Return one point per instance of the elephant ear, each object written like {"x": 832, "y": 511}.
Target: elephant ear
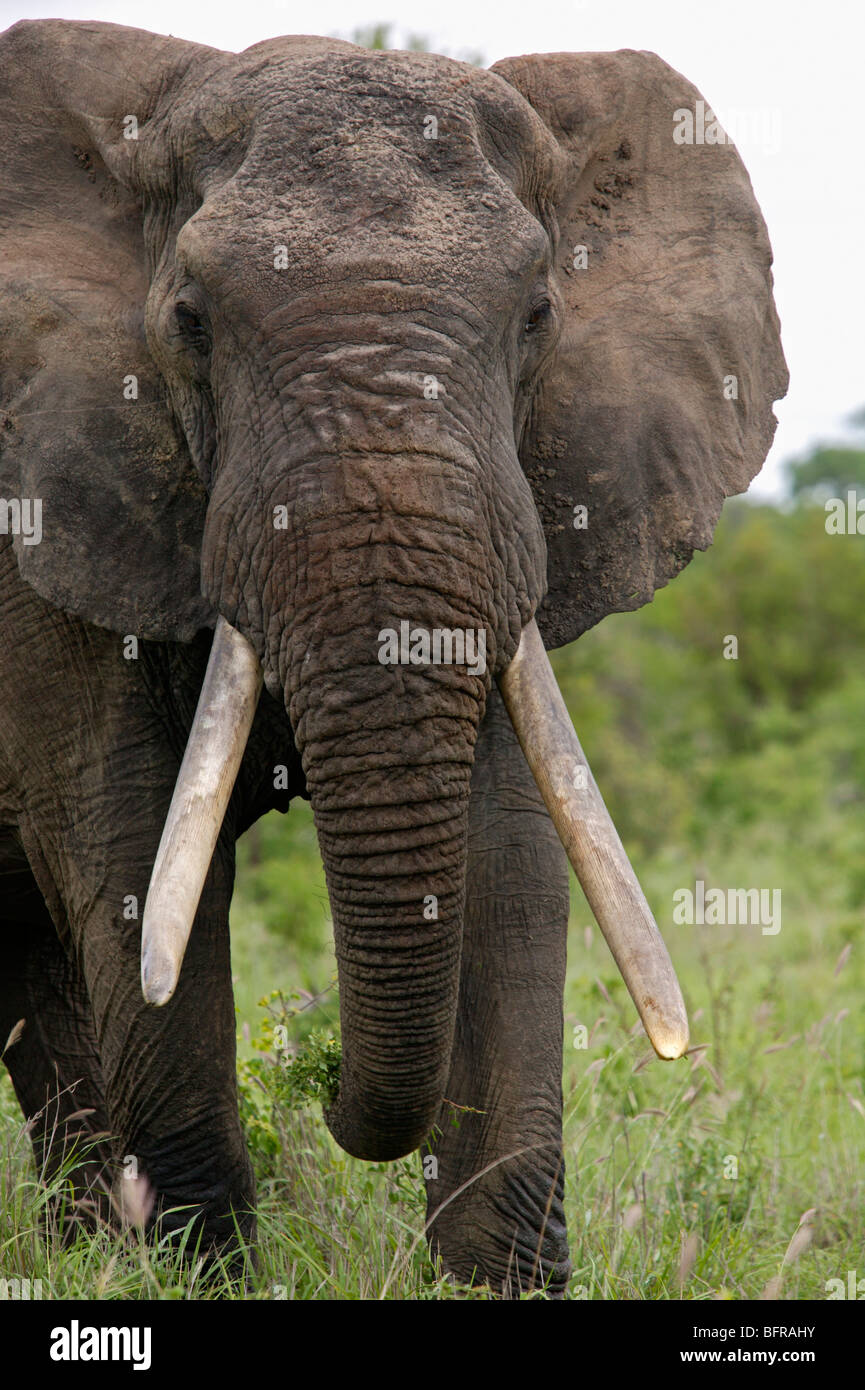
{"x": 85, "y": 431}
{"x": 657, "y": 403}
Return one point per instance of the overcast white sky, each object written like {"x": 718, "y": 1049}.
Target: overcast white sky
{"x": 796, "y": 70}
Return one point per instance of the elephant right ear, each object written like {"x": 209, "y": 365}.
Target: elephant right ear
{"x": 657, "y": 403}
{"x": 97, "y": 486}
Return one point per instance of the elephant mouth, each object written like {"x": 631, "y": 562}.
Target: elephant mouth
{"x": 214, "y": 751}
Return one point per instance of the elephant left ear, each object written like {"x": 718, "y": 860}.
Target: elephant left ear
{"x": 104, "y": 503}
{"x": 657, "y": 403}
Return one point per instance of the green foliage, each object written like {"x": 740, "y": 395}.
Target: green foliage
{"x": 725, "y": 746}
{"x": 313, "y": 1074}
{"x": 379, "y": 36}
{"x": 284, "y": 1074}
{"x": 829, "y": 470}
{"x": 373, "y": 36}
{"x": 287, "y": 889}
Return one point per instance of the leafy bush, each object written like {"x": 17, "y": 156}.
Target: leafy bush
{"x": 284, "y": 1075}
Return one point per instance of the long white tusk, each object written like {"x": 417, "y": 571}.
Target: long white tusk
{"x": 217, "y": 739}
{"x": 546, "y": 734}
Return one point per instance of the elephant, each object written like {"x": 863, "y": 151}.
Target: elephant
{"x": 338, "y": 386}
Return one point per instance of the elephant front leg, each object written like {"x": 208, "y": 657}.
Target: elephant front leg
{"x": 495, "y": 1202}
{"x": 170, "y": 1072}
{"x": 53, "y": 1059}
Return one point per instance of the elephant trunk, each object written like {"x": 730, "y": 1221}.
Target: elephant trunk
{"x": 387, "y": 750}
{"x": 397, "y": 920}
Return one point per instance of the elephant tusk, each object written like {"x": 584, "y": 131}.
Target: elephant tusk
{"x": 552, "y": 749}
{"x": 214, "y": 750}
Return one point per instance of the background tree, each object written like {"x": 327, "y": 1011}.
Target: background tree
{"x": 830, "y": 470}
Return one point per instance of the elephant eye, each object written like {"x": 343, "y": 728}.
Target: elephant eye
{"x": 539, "y": 316}
{"x": 191, "y": 327}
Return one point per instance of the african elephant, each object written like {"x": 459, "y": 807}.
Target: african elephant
{"x": 326, "y": 349}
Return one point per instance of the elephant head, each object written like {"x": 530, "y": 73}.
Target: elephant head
{"x": 329, "y": 348}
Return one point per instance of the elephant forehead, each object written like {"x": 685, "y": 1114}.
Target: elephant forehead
{"x": 325, "y": 86}
{"x": 338, "y": 142}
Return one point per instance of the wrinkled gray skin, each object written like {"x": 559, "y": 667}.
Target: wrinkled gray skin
{"x": 304, "y": 387}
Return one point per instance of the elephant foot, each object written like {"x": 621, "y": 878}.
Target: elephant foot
{"x": 513, "y": 1240}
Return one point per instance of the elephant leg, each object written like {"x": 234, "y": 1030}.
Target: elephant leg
{"x": 54, "y": 1063}
{"x": 170, "y": 1076}
{"x": 495, "y": 1202}
{"x": 104, "y": 738}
